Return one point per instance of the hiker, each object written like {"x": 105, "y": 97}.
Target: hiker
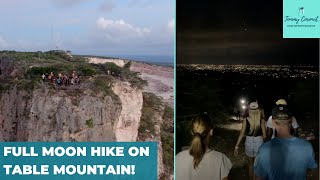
{"x": 65, "y": 80}
{"x": 253, "y": 126}
{"x": 43, "y": 77}
{"x": 72, "y": 81}
{"x": 73, "y": 74}
{"x": 285, "y": 156}
{"x": 59, "y": 81}
{"x": 201, "y": 161}
{"x": 76, "y": 80}
{"x": 271, "y": 131}
{"x": 54, "y": 80}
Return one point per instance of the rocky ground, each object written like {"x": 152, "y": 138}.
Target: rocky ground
{"x": 160, "y": 80}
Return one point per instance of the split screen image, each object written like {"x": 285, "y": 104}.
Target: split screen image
{"x": 214, "y": 83}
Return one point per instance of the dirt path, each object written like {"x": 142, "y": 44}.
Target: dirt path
{"x": 224, "y": 140}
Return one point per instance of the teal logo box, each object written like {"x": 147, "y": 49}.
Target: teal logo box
{"x": 301, "y": 18}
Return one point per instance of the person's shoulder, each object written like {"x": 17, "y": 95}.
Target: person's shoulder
{"x": 266, "y": 146}
{"x": 294, "y": 119}
{"x": 303, "y": 142}
{"x": 270, "y": 118}
{"x": 218, "y": 154}
{"x": 183, "y": 154}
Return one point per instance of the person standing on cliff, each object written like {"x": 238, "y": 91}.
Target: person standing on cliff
{"x": 74, "y": 74}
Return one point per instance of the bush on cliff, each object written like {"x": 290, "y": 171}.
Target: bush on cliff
{"x": 151, "y": 105}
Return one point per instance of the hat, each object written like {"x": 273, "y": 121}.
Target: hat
{"x": 281, "y": 112}
{"x": 253, "y": 105}
{"x": 281, "y": 102}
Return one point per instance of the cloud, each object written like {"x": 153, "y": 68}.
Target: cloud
{"x": 122, "y": 37}
{"x": 107, "y": 6}
{"x": 68, "y": 3}
{"x": 171, "y": 25}
{"x": 119, "y": 29}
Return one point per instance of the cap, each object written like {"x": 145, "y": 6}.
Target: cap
{"x": 253, "y": 105}
{"x": 281, "y": 112}
{"x": 281, "y": 102}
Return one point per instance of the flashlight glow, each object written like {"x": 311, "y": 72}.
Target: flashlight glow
{"x": 242, "y": 101}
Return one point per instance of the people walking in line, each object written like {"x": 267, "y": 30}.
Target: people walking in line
{"x": 254, "y": 128}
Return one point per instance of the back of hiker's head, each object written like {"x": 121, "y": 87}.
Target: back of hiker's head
{"x": 281, "y": 114}
{"x": 254, "y": 111}
{"x": 282, "y": 102}
{"x": 200, "y": 129}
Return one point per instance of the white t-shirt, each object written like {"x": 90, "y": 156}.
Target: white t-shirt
{"x": 269, "y": 124}
{"x": 213, "y": 166}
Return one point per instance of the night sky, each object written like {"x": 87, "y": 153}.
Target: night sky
{"x": 238, "y": 32}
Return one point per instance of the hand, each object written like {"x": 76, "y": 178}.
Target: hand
{"x": 236, "y": 151}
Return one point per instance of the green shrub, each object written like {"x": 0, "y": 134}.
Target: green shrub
{"x": 25, "y": 84}
{"x": 151, "y": 105}
{"x": 167, "y": 136}
{"x": 112, "y": 67}
{"x": 103, "y": 83}
{"x": 86, "y": 71}
{"x": 89, "y": 123}
{"x": 167, "y": 149}
{"x": 38, "y": 71}
{"x": 127, "y": 65}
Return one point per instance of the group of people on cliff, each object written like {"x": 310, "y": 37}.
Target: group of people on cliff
{"x": 62, "y": 79}
{"x": 274, "y": 152}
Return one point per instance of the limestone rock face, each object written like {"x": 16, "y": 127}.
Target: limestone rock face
{"x": 129, "y": 120}
{"x": 43, "y": 115}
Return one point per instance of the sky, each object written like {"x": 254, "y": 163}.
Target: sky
{"x": 238, "y": 32}
{"x": 91, "y": 27}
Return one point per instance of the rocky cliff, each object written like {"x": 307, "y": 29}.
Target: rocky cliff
{"x": 44, "y": 115}
{"x": 104, "y": 107}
